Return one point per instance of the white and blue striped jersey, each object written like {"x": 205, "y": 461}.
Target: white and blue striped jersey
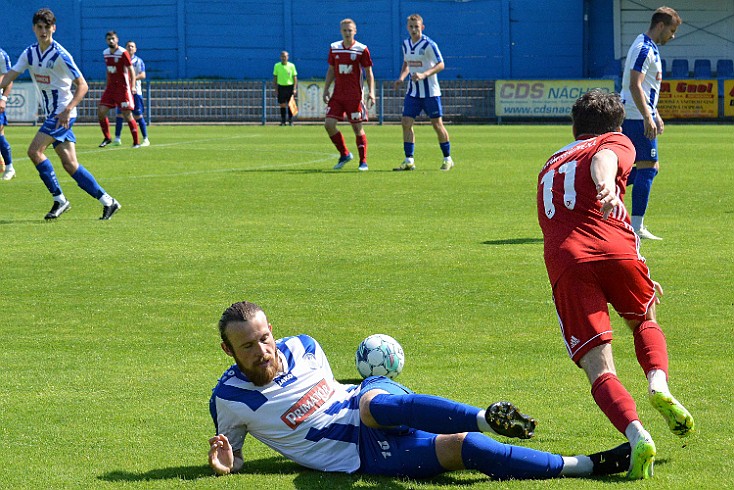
{"x": 304, "y": 413}
{"x": 644, "y": 57}
{"x": 139, "y": 67}
{"x": 420, "y": 57}
{"x": 4, "y": 62}
{"x": 53, "y": 72}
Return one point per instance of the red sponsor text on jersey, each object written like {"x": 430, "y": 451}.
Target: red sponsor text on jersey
{"x": 315, "y": 398}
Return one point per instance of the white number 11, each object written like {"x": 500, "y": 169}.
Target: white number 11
{"x": 568, "y": 170}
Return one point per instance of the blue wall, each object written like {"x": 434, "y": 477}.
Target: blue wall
{"x": 480, "y": 39}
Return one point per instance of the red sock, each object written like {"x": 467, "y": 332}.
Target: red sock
{"x": 105, "y": 125}
{"x": 362, "y": 147}
{"x": 338, "y": 140}
{"x": 134, "y": 130}
{"x": 650, "y": 347}
{"x": 615, "y": 401}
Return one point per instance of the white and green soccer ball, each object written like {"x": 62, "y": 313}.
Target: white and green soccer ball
{"x": 379, "y": 355}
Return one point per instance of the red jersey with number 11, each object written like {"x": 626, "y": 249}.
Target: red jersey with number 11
{"x": 569, "y": 212}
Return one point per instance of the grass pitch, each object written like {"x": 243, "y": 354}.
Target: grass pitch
{"x": 108, "y": 329}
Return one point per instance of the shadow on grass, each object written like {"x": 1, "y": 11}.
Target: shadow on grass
{"x": 513, "y": 241}
{"x": 305, "y": 479}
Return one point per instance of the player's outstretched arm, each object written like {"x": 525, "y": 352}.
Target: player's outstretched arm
{"x": 221, "y": 457}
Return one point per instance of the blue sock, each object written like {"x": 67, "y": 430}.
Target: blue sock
{"x": 408, "y": 148}
{"x": 5, "y": 150}
{"x": 504, "y": 461}
{"x": 48, "y": 176}
{"x": 118, "y": 128}
{"x": 641, "y": 190}
{"x": 446, "y": 148}
{"x": 143, "y": 127}
{"x": 631, "y": 177}
{"x": 86, "y": 181}
{"x": 424, "y": 412}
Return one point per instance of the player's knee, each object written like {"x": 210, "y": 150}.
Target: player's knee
{"x": 365, "y": 414}
{"x": 448, "y": 450}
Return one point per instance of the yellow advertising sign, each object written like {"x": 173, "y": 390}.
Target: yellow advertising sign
{"x": 729, "y": 98}
{"x": 689, "y": 99}
{"x": 542, "y": 98}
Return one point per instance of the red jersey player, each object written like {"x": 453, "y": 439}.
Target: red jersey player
{"x": 119, "y": 90}
{"x": 347, "y": 61}
{"x": 592, "y": 257}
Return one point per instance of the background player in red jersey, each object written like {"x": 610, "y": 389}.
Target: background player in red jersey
{"x": 592, "y": 258}
{"x": 119, "y": 90}
{"x": 348, "y": 58}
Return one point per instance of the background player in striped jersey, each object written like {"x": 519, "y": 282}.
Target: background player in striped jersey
{"x": 53, "y": 72}
{"x": 422, "y": 60}
{"x": 283, "y": 392}
{"x": 6, "y": 154}
{"x": 347, "y": 60}
{"x": 119, "y": 90}
{"x": 641, "y": 81}
{"x": 139, "y": 110}
{"x": 592, "y": 257}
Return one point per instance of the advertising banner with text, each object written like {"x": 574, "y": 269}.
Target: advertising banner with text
{"x": 729, "y": 98}
{"x": 22, "y": 105}
{"x": 542, "y": 98}
{"x": 689, "y": 99}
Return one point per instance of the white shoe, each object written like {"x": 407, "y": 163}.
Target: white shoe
{"x": 645, "y": 234}
{"x": 145, "y": 142}
{"x": 408, "y": 164}
{"x": 117, "y": 142}
{"x": 8, "y": 174}
{"x": 448, "y": 163}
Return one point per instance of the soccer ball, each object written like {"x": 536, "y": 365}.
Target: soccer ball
{"x": 379, "y": 355}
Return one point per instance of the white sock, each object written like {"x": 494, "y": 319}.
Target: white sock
{"x": 8, "y": 166}
{"x": 634, "y": 431}
{"x": 483, "y": 424}
{"x": 106, "y": 200}
{"x": 577, "y": 466}
{"x": 657, "y": 381}
{"x": 637, "y": 221}
{"x": 60, "y": 198}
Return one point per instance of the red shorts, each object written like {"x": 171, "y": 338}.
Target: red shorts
{"x": 583, "y": 291}
{"x": 116, "y": 96}
{"x": 354, "y": 110}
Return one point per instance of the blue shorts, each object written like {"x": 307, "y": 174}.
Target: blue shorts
{"x": 139, "y": 106}
{"x": 646, "y": 149}
{"x": 3, "y": 119}
{"x": 60, "y": 134}
{"x": 412, "y": 106}
{"x": 400, "y": 451}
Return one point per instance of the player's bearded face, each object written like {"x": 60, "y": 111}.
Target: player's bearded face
{"x": 252, "y": 346}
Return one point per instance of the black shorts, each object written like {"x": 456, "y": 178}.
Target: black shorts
{"x": 285, "y": 92}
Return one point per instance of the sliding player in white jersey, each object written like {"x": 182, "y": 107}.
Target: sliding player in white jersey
{"x": 53, "y": 72}
{"x": 285, "y": 395}
{"x": 641, "y": 82}
{"x": 422, "y": 61}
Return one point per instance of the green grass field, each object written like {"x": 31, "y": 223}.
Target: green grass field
{"x": 108, "y": 329}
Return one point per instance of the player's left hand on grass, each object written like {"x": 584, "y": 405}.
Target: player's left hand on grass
{"x": 221, "y": 456}
{"x": 658, "y": 292}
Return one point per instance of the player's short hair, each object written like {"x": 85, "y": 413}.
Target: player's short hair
{"x": 238, "y": 312}
{"x": 415, "y": 17}
{"x": 348, "y": 21}
{"x": 110, "y": 33}
{"x": 597, "y": 112}
{"x": 44, "y": 15}
{"x": 667, "y": 16}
